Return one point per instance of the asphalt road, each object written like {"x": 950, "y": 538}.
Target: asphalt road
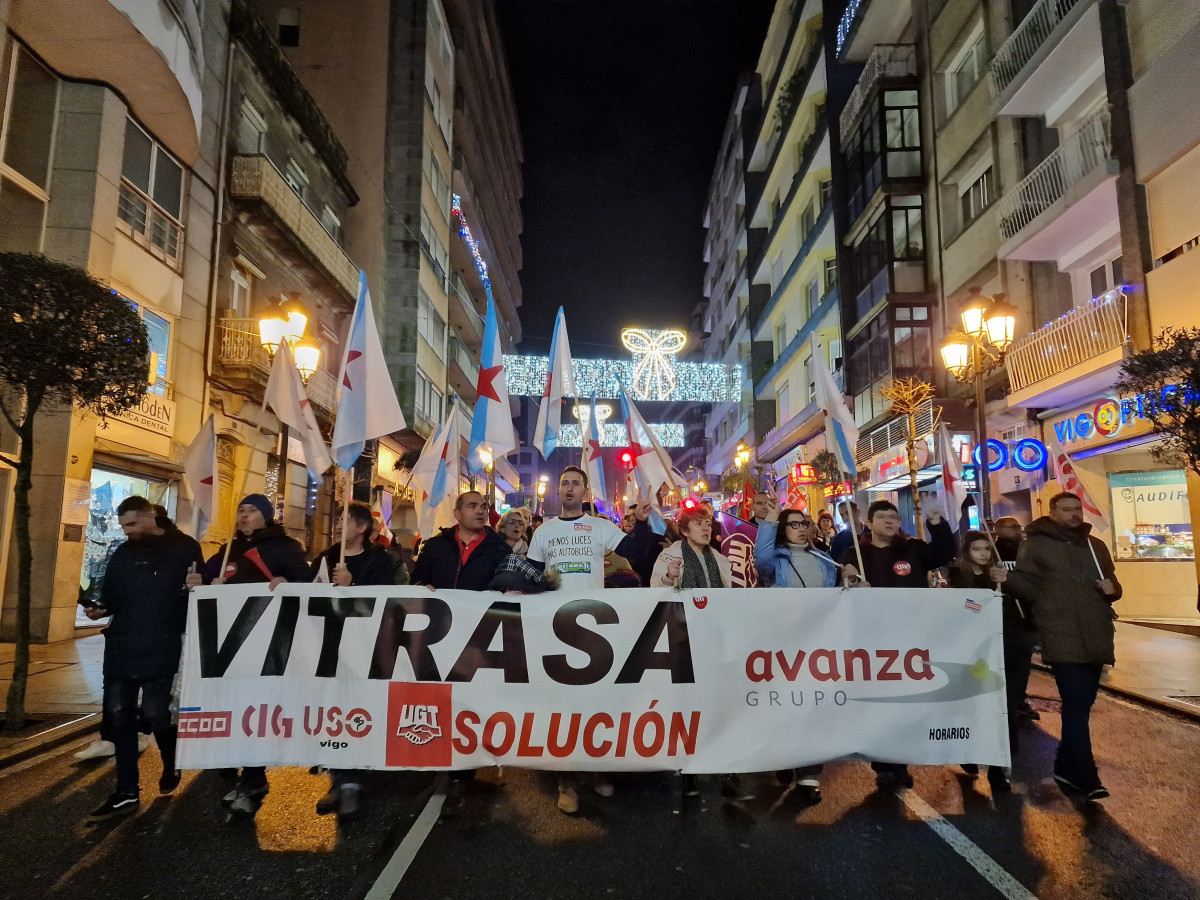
{"x": 948, "y": 838}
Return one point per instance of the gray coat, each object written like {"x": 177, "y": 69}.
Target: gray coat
{"x": 1056, "y": 577}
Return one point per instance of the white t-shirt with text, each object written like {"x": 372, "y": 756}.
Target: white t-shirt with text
{"x": 575, "y": 549}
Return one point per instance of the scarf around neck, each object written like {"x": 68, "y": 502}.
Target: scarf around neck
{"x": 693, "y": 574}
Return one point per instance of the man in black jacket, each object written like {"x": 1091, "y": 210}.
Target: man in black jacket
{"x": 891, "y": 560}
{"x": 144, "y": 591}
{"x": 261, "y": 551}
{"x": 471, "y": 557}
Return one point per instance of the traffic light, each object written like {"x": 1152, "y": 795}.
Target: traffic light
{"x": 627, "y": 459}
{"x": 690, "y": 503}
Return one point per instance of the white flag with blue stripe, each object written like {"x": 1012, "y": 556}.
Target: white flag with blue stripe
{"x": 841, "y": 434}
{"x": 560, "y": 382}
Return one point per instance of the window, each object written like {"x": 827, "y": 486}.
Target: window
{"x": 826, "y": 192}
{"x": 830, "y": 274}
{"x": 780, "y": 338}
{"x": 1106, "y": 277}
{"x": 26, "y": 140}
{"x": 902, "y": 134}
{"x": 778, "y": 270}
{"x": 158, "y": 337}
{"x": 965, "y": 70}
{"x": 908, "y": 234}
{"x": 430, "y": 325}
{"x": 781, "y": 405}
{"x": 331, "y": 223}
{"x": 810, "y": 384}
{"x": 433, "y": 93}
{"x": 977, "y": 197}
{"x": 428, "y": 399}
{"x": 1150, "y": 515}
{"x": 289, "y": 27}
{"x": 814, "y": 296}
{"x": 241, "y": 293}
{"x": 911, "y": 338}
{"x": 151, "y": 195}
{"x": 437, "y": 250}
{"x": 296, "y": 178}
{"x": 436, "y": 175}
{"x": 807, "y": 219}
{"x": 252, "y": 129}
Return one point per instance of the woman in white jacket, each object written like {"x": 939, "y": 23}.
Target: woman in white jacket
{"x": 691, "y": 562}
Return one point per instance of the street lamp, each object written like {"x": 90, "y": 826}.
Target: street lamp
{"x": 972, "y": 354}
{"x": 284, "y": 323}
{"x": 541, "y": 491}
{"x": 701, "y": 487}
{"x": 307, "y": 355}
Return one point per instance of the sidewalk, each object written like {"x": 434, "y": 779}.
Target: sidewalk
{"x": 1153, "y": 666}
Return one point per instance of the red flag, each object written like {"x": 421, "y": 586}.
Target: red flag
{"x": 746, "y": 510}
{"x": 252, "y": 555}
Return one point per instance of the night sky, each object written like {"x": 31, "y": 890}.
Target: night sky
{"x": 622, "y": 105}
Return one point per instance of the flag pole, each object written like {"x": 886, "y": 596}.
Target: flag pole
{"x": 862, "y": 570}
{"x": 346, "y": 514}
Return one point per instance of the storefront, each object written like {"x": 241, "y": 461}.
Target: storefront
{"x": 1146, "y": 502}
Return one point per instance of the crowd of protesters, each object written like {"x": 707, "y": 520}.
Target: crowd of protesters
{"x": 1057, "y": 582}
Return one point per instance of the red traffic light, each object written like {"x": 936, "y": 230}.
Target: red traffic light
{"x": 691, "y": 503}
{"x": 627, "y": 459}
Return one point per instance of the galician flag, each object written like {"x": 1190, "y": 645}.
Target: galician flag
{"x": 200, "y": 473}
{"x": 285, "y": 395}
{"x": 951, "y": 487}
{"x": 841, "y": 434}
{"x": 1064, "y": 472}
{"x": 492, "y": 425}
{"x": 560, "y": 382}
{"x": 651, "y": 463}
{"x": 593, "y": 463}
{"x": 436, "y": 473}
{"x": 366, "y": 403}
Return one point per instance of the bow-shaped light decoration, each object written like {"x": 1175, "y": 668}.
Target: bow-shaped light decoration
{"x": 653, "y": 361}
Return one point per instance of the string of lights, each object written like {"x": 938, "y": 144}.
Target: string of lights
{"x": 464, "y": 231}
{"x": 669, "y": 434}
{"x": 694, "y": 382}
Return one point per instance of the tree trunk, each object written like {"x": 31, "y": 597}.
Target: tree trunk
{"x": 911, "y": 446}
{"x": 14, "y": 716}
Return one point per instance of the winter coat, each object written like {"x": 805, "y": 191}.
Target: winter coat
{"x": 907, "y": 561}
{"x": 144, "y": 590}
{"x": 1056, "y": 575}
{"x": 373, "y": 566}
{"x": 440, "y": 565}
{"x": 282, "y": 555}
{"x": 675, "y": 551}
{"x": 774, "y": 563}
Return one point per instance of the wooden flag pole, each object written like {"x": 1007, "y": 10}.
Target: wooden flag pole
{"x": 346, "y": 513}
{"x": 862, "y": 571}
{"x": 233, "y": 533}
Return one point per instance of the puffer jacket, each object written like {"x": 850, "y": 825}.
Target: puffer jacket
{"x": 774, "y": 563}
{"x": 1073, "y": 617}
{"x": 282, "y": 555}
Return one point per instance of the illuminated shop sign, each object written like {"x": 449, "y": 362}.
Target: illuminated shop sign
{"x": 1111, "y": 416}
{"x": 1027, "y": 454}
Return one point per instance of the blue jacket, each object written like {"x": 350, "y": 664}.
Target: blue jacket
{"x": 776, "y": 562}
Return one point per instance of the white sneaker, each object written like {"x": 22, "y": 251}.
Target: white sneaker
{"x": 143, "y": 742}
{"x": 602, "y": 786}
{"x": 568, "y": 800}
{"x": 96, "y": 750}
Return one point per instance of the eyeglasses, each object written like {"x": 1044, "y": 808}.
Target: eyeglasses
{"x": 797, "y": 524}
{"x": 890, "y": 517}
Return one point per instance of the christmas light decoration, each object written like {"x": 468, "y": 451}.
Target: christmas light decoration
{"x": 694, "y": 382}
{"x": 465, "y": 231}
{"x": 583, "y": 412}
{"x": 669, "y": 434}
{"x": 653, "y": 359}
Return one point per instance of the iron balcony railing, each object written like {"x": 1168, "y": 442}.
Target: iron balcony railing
{"x": 150, "y": 225}
{"x": 1016, "y": 52}
{"x": 1081, "y": 334}
{"x": 885, "y": 61}
{"x": 241, "y": 348}
{"x": 894, "y": 434}
{"x": 1079, "y": 154}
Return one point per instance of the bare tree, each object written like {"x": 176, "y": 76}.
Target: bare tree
{"x": 907, "y": 396}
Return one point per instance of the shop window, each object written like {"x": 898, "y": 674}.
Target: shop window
{"x": 151, "y": 194}
{"x": 103, "y": 533}
{"x": 1150, "y": 515}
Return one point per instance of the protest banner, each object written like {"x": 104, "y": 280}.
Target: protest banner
{"x": 721, "y": 680}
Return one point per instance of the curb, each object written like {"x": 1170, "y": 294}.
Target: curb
{"x": 1160, "y": 703}
{"x": 49, "y": 739}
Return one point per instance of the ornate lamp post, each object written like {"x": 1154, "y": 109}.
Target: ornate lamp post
{"x": 973, "y": 353}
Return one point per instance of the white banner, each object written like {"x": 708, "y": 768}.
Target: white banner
{"x": 653, "y": 679}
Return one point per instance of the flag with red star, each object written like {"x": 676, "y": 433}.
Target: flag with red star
{"x": 367, "y": 407}
{"x": 492, "y": 424}
{"x": 200, "y": 473}
{"x": 287, "y": 398}
{"x": 951, "y": 488}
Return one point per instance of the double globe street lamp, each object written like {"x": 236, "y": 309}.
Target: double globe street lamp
{"x": 972, "y": 354}
{"x": 286, "y": 323}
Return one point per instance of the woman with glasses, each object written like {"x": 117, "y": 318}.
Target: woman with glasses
{"x": 785, "y": 554}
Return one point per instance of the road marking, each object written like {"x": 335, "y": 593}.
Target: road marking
{"x": 49, "y": 754}
{"x": 997, "y": 876}
{"x": 389, "y": 879}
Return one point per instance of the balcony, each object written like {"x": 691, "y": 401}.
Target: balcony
{"x": 464, "y": 317}
{"x": 1071, "y": 358}
{"x": 1043, "y": 65}
{"x": 866, "y": 23}
{"x": 462, "y": 371}
{"x": 246, "y": 365}
{"x": 894, "y": 433}
{"x": 256, "y": 178}
{"x": 1064, "y": 198}
{"x": 886, "y": 61}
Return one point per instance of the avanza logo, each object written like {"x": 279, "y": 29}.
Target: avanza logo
{"x": 418, "y": 725}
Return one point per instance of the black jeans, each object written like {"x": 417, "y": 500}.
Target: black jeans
{"x": 1018, "y": 659}
{"x": 121, "y": 705}
{"x": 1077, "y": 687}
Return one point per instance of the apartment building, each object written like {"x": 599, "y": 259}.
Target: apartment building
{"x": 109, "y": 157}
{"x": 397, "y": 82}
{"x": 790, "y": 263}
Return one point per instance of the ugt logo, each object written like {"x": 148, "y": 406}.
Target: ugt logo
{"x": 418, "y": 732}
{"x": 418, "y": 724}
